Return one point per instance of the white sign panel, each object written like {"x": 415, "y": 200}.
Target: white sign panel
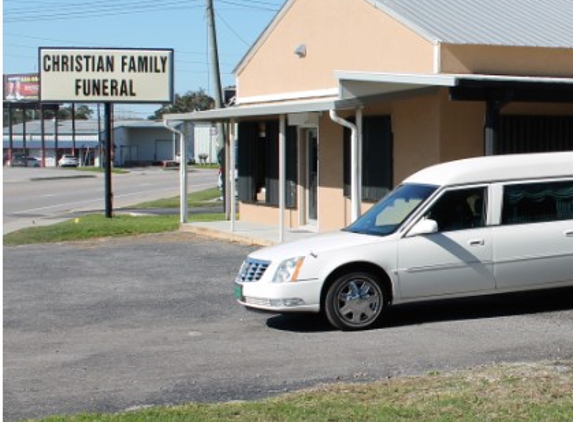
{"x": 106, "y": 75}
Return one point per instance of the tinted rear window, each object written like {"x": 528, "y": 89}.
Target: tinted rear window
{"x": 537, "y": 202}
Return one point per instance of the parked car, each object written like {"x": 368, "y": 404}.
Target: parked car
{"x": 471, "y": 227}
{"x": 68, "y": 161}
{"x": 24, "y": 161}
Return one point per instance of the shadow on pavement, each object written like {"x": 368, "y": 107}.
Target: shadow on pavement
{"x": 493, "y": 306}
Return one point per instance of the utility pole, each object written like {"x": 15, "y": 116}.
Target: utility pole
{"x": 214, "y": 53}
{"x": 216, "y": 77}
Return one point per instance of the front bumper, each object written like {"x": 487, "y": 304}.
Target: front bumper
{"x": 300, "y": 296}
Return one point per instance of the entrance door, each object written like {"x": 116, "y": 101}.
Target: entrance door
{"x": 312, "y": 177}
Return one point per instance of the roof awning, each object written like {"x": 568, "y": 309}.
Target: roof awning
{"x": 471, "y": 87}
{"x": 353, "y": 85}
{"x": 361, "y": 88}
{"x": 257, "y": 110}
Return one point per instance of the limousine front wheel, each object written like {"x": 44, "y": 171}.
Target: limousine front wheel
{"x": 355, "y": 301}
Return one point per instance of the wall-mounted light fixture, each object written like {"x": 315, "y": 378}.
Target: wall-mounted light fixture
{"x": 300, "y": 50}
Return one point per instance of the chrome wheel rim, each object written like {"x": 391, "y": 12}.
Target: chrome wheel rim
{"x": 359, "y": 301}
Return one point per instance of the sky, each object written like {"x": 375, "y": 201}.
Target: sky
{"x": 177, "y": 24}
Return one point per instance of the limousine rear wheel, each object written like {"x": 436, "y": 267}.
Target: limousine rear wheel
{"x": 355, "y": 301}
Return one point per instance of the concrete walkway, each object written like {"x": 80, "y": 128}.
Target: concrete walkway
{"x": 245, "y": 233}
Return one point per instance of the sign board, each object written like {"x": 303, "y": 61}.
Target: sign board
{"x": 106, "y": 75}
{"x": 21, "y": 87}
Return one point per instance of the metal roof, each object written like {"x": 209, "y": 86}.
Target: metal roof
{"x": 527, "y": 23}
{"x": 258, "y": 110}
{"x": 354, "y": 84}
{"x": 360, "y": 88}
{"x": 82, "y": 126}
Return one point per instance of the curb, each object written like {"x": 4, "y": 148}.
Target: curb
{"x": 230, "y": 237}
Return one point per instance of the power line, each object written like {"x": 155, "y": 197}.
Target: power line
{"x": 249, "y": 5}
{"x": 100, "y": 5}
{"x": 231, "y": 29}
{"x": 145, "y": 8}
{"x": 92, "y": 43}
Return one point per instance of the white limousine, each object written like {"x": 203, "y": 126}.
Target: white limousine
{"x": 470, "y": 227}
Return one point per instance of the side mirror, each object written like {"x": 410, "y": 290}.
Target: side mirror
{"x": 425, "y": 226}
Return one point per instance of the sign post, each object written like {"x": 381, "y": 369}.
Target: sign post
{"x": 109, "y": 76}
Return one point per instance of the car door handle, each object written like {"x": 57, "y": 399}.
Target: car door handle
{"x": 568, "y": 233}
{"x": 476, "y": 242}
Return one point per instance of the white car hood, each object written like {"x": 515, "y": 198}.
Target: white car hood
{"x": 315, "y": 245}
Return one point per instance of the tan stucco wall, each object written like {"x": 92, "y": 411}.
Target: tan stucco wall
{"x": 427, "y": 130}
{"x": 339, "y": 35}
{"x": 265, "y": 214}
{"x": 461, "y": 128}
{"x": 416, "y": 124}
{"x": 332, "y": 212}
{"x": 499, "y": 60}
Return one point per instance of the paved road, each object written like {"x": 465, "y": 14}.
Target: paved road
{"x": 109, "y": 325}
{"x": 37, "y": 196}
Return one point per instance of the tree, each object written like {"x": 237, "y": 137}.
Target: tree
{"x": 83, "y": 112}
{"x": 191, "y": 101}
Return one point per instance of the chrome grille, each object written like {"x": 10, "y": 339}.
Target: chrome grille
{"x": 257, "y": 301}
{"x": 252, "y": 270}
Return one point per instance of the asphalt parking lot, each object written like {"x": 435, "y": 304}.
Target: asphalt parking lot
{"x": 108, "y": 325}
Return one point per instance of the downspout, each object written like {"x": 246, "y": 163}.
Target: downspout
{"x": 182, "y": 172}
{"x": 354, "y": 157}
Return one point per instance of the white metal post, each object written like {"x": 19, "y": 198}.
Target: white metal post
{"x": 359, "y": 137}
{"x": 183, "y": 175}
{"x": 231, "y": 172}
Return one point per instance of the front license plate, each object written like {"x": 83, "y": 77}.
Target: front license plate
{"x": 239, "y": 291}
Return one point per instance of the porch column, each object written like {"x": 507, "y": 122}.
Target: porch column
{"x": 492, "y": 111}
{"x": 231, "y": 172}
{"x": 282, "y": 176}
{"x": 183, "y": 211}
{"x": 358, "y": 162}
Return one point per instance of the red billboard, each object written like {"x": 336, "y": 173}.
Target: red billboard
{"x": 22, "y": 87}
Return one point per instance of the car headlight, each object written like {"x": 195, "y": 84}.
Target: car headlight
{"x": 288, "y": 270}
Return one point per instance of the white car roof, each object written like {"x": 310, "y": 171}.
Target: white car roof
{"x": 496, "y": 168}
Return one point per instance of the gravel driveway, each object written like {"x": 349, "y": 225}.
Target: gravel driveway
{"x": 112, "y": 324}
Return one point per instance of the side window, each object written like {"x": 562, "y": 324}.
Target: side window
{"x": 459, "y": 209}
{"x": 537, "y": 202}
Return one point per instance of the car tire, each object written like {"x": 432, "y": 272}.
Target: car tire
{"x": 355, "y": 301}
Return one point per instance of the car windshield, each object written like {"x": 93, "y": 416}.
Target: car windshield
{"x": 387, "y": 215}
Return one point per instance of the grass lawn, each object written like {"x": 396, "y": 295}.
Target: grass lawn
{"x": 95, "y": 169}
{"x": 96, "y": 225}
{"x": 203, "y": 198}
{"x": 524, "y": 392}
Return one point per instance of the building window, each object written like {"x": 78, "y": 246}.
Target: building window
{"x": 377, "y": 158}
{"x": 258, "y": 163}
{"x": 528, "y": 134}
